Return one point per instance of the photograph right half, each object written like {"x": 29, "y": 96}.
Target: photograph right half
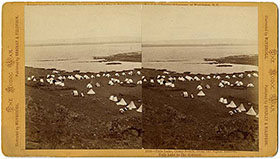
{"x": 200, "y": 77}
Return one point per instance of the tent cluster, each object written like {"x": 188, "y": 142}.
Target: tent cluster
{"x": 126, "y": 107}
{"x": 114, "y": 81}
{"x": 253, "y": 74}
{"x": 237, "y": 83}
{"x": 238, "y": 109}
{"x": 98, "y": 75}
{"x": 199, "y": 94}
{"x": 50, "y": 79}
{"x": 90, "y": 91}
{"x": 223, "y": 83}
{"x": 169, "y": 81}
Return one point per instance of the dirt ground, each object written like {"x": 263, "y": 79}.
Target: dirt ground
{"x": 55, "y": 119}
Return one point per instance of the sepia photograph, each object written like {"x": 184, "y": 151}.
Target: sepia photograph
{"x": 200, "y": 90}
{"x": 141, "y": 77}
{"x": 83, "y": 77}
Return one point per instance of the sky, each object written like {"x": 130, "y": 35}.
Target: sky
{"x": 220, "y": 23}
{"x": 52, "y": 24}
{"x": 82, "y": 23}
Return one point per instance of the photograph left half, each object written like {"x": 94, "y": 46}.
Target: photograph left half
{"x": 83, "y": 77}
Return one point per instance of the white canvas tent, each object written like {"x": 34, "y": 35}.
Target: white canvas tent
{"x": 225, "y": 101}
{"x": 110, "y": 83}
{"x": 241, "y": 108}
{"x": 139, "y": 109}
{"x": 221, "y": 100}
{"x": 251, "y": 111}
{"x": 201, "y": 94}
{"x": 185, "y": 94}
{"x": 199, "y": 87}
{"x": 89, "y": 85}
{"x": 115, "y": 99}
{"x": 207, "y": 86}
{"x": 75, "y": 93}
{"x": 231, "y": 105}
{"x": 121, "y": 102}
{"x": 131, "y": 106}
{"x": 97, "y": 84}
{"x": 111, "y": 98}
{"x": 90, "y": 92}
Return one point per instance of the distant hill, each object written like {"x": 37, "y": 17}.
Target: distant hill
{"x": 238, "y": 59}
{"x": 128, "y": 57}
{"x": 200, "y": 42}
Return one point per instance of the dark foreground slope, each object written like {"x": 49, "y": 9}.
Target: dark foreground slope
{"x": 171, "y": 121}
{"x": 55, "y": 119}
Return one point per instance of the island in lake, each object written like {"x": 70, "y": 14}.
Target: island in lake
{"x": 127, "y": 57}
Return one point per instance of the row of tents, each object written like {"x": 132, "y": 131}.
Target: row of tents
{"x": 238, "y": 109}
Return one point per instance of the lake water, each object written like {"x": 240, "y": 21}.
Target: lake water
{"x": 80, "y": 57}
{"x": 191, "y": 58}
{"x": 85, "y": 66}
{"x": 180, "y": 59}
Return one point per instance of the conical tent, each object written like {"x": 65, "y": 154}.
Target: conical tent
{"x": 62, "y": 84}
{"x": 221, "y": 85}
{"x": 199, "y": 87}
{"x": 89, "y": 85}
{"x": 110, "y": 83}
{"x": 139, "y": 109}
{"x": 250, "y": 85}
{"x": 196, "y": 78}
{"x": 189, "y": 78}
{"x": 221, "y": 100}
{"x": 251, "y": 111}
{"x": 207, "y": 86}
{"x": 90, "y": 92}
{"x": 131, "y": 106}
{"x": 231, "y": 105}
{"x": 121, "y": 102}
{"x": 241, "y": 108}
{"x": 115, "y": 99}
{"x": 201, "y": 94}
{"x": 225, "y": 101}
{"x": 111, "y": 98}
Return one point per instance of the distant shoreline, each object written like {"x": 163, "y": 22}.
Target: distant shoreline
{"x": 238, "y": 59}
